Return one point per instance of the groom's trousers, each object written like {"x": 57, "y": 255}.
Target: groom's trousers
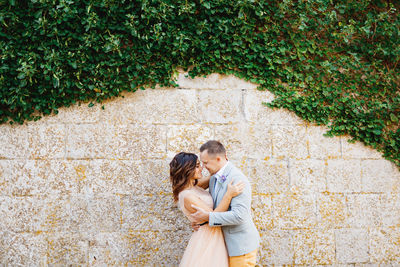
{"x": 246, "y": 260}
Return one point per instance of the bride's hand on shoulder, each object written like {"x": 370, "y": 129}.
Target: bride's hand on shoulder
{"x": 235, "y": 189}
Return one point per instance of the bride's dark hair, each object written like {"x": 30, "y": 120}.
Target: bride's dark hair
{"x": 182, "y": 168}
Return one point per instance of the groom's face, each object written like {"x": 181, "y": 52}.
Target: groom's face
{"x": 211, "y": 162}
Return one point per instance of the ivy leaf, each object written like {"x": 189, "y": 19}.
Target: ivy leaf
{"x": 394, "y": 117}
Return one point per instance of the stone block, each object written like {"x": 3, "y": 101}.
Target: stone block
{"x": 384, "y": 245}
{"x": 81, "y": 113}
{"x": 187, "y": 138}
{"x": 364, "y": 210}
{"x": 46, "y": 141}
{"x": 269, "y": 176}
{"x": 375, "y": 265}
{"x": 22, "y": 249}
{"x": 307, "y": 176}
{"x": 132, "y": 141}
{"x": 13, "y": 141}
{"x": 293, "y": 211}
{"x": 314, "y": 247}
{"x": 289, "y": 141}
{"x": 343, "y": 176}
{"x": 153, "y": 106}
{"x": 56, "y": 213}
{"x": 87, "y": 140}
{"x": 322, "y": 147}
{"x": 126, "y": 177}
{"x": 66, "y": 249}
{"x": 351, "y": 245}
{"x": 332, "y": 210}
{"x": 21, "y": 214}
{"x": 256, "y": 111}
{"x": 262, "y": 211}
{"x": 152, "y": 212}
{"x": 389, "y": 209}
{"x": 245, "y": 140}
{"x": 379, "y": 176}
{"x": 137, "y": 141}
{"x": 84, "y": 213}
{"x": 358, "y": 150}
{"x": 276, "y": 248}
{"x": 138, "y": 248}
{"x": 217, "y": 106}
{"x": 213, "y": 81}
{"x": 36, "y": 177}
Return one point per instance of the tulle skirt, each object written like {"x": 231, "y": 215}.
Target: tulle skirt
{"x": 206, "y": 248}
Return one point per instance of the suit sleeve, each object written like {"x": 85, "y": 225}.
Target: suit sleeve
{"x": 240, "y": 208}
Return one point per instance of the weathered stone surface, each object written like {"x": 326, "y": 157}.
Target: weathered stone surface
{"x": 138, "y": 248}
{"x": 245, "y": 140}
{"x": 351, "y": 245}
{"x": 116, "y": 141}
{"x": 83, "y": 213}
{"x": 322, "y": 147}
{"x": 292, "y": 211}
{"x": 13, "y": 141}
{"x": 22, "y": 249}
{"x": 87, "y": 140}
{"x": 343, "y": 175}
{"x": 21, "y": 214}
{"x": 263, "y": 212}
{"x": 255, "y": 111}
{"x": 36, "y": 177}
{"x": 358, "y": 150}
{"x": 187, "y": 138}
{"x": 379, "y": 176}
{"x": 141, "y": 212}
{"x": 314, "y": 247}
{"x": 124, "y": 177}
{"x": 65, "y": 248}
{"x": 81, "y": 113}
{"x": 332, "y": 210}
{"x": 308, "y": 176}
{"x": 216, "y": 106}
{"x": 289, "y": 141}
{"x": 363, "y": 210}
{"x": 276, "y": 248}
{"x": 389, "y": 207}
{"x": 46, "y": 141}
{"x": 270, "y": 176}
{"x": 385, "y": 245}
{"x": 136, "y": 141}
{"x": 153, "y": 106}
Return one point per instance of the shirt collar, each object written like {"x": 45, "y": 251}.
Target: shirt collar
{"x": 221, "y": 171}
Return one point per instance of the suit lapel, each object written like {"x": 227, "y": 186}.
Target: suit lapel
{"x": 222, "y": 187}
{"x": 211, "y": 187}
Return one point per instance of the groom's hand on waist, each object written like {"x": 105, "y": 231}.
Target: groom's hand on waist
{"x": 200, "y": 216}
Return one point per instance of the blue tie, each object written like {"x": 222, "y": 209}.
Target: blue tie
{"x": 215, "y": 186}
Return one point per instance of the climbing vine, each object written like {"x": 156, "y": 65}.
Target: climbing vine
{"x": 333, "y": 63}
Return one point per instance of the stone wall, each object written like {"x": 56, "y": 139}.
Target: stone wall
{"x": 90, "y": 186}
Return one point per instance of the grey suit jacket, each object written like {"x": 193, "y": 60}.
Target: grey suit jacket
{"x": 241, "y": 235}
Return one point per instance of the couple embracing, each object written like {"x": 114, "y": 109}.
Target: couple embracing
{"x": 225, "y": 234}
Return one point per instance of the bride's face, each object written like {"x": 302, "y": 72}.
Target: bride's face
{"x": 198, "y": 171}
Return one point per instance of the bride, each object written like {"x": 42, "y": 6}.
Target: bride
{"x": 206, "y": 246}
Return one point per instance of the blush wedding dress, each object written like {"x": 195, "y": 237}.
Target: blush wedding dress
{"x": 206, "y": 247}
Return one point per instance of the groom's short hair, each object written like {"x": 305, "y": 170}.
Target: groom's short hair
{"x": 213, "y": 147}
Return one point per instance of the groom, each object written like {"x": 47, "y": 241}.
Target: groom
{"x": 241, "y": 236}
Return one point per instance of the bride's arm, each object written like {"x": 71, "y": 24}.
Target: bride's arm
{"x": 232, "y": 191}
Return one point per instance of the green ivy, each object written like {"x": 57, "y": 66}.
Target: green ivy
{"x": 334, "y": 63}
